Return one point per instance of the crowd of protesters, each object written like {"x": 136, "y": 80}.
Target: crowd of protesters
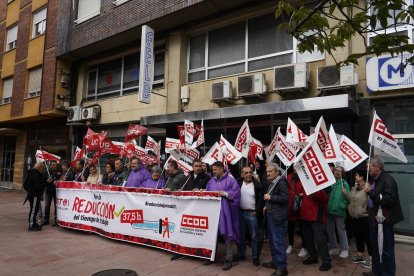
{"x": 259, "y": 203}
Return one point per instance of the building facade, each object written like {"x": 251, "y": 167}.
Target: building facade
{"x": 30, "y": 88}
{"x": 223, "y": 62}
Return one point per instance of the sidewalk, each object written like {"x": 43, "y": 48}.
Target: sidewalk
{"x": 60, "y": 251}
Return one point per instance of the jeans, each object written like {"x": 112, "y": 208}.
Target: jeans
{"x": 387, "y": 267}
{"x": 277, "y": 233}
{"x": 50, "y": 194}
{"x": 247, "y": 220}
{"x": 339, "y": 222}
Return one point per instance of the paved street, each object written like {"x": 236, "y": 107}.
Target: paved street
{"x": 60, "y": 251}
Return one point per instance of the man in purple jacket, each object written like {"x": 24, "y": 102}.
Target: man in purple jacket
{"x": 229, "y": 190}
{"x": 138, "y": 174}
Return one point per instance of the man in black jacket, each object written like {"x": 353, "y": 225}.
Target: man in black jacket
{"x": 197, "y": 179}
{"x": 176, "y": 177}
{"x": 276, "y": 198}
{"x": 50, "y": 191}
{"x": 383, "y": 192}
{"x": 250, "y": 215}
{"x": 36, "y": 183}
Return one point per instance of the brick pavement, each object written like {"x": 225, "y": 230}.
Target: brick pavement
{"x": 60, "y": 251}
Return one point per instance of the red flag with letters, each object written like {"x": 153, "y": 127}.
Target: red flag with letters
{"x": 135, "y": 131}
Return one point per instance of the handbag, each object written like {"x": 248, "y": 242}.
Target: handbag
{"x": 297, "y": 203}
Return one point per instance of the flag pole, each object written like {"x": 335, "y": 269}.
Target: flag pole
{"x": 185, "y": 183}
{"x": 159, "y": 178}
{"x": 369, "y": 160}
{"x": 47, "y": 169}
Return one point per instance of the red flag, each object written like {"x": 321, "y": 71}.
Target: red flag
{"x": 135, "y": 131}
{"x": 181, "y": 135}
{"x": 106, "y": 146}
{"x": 42, "y": 155}
{"x": 79, "y": 154}
{"x": 94, "y": 159}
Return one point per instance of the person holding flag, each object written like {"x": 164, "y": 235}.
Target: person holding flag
{"x": 276, "y": 208}
{"x": 50, "y": 191}
{"x": 383, "y": 193}
{"x": 336, "y": 215}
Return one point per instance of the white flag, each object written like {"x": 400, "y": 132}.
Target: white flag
{"x": 271, "y": 149}
{"x": 188, "y": 132}
{"x": 200, "y": 139}
{"x": 231, "y": 154}
{"x": 332, "y": 152}
{"x": 186, "y": 168}
{"x": 312, "y": 169}
{"x": 321, "y": 134}
{"x": 243, "y": 139}
{"x": 151, "y": 145}
{"x": 171, "y": 144}
{"x": 294, "y": 135}
{"x": 380, "y": 138}
{"x": 287, "y": 153}
{"x": 351, "y": 153}
{"x": 213, "y": 155}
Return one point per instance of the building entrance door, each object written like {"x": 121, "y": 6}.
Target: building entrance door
{"x": 404, "y": 176}
{"x": 7, "y": 164}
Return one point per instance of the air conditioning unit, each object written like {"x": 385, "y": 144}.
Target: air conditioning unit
{"x": 74, "y": 113}
{"x": 221, "y": 91}
{"x": 253, "y": 85}
{"x": 292, "y": 77}
{"x": 332, "y": 77}
{"x": 89, "y": 113}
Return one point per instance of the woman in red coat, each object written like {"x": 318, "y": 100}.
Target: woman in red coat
{"x": 295, "y": 188}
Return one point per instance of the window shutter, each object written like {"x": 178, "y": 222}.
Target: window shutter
{"x": 88, "y": 7}
{"x": 35, "y": 80}
{"x": 39, "y": 16}
{"x": 7, "y": 88}
{"x": 12, "y": 34}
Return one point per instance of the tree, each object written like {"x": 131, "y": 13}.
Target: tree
{"x": 329, "y": 24}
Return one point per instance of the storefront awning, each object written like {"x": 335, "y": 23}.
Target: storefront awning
{"x": 328, "y": 104}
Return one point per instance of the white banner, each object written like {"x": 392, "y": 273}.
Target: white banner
{"x": 146, "y": 66}
{"x": 381, "y": 138}
{"x": 182, "y": 222}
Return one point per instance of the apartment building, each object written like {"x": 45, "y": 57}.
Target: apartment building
{"x": 30, "y": 87}
{"x": 224, "y": 62}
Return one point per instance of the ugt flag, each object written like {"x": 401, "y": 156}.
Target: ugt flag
{"x": 42, "y": 155}
{"x": 380, "y": 138}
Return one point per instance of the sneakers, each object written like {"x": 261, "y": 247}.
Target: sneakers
{"x": 227, "y": 265}
{"x": 334, "y": 251}
{"x": 303, "y": 253}
{"x": 344, "y": 254}
{"x": 357, "y": 259}
{"x": 366, "y": 264}
{"x": 289, "y": 249}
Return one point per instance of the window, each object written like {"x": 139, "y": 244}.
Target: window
{"x": 11, "y": 38}
{"x": 7, "y": 90}
{"x": 120, "y": 76}
{"x": 39, "y": 23}
{"x": 401, "y": 28}
{"x": 87, "y": 9}
{"x": 245, "y": 46}
{"x": 35, "y": 82}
